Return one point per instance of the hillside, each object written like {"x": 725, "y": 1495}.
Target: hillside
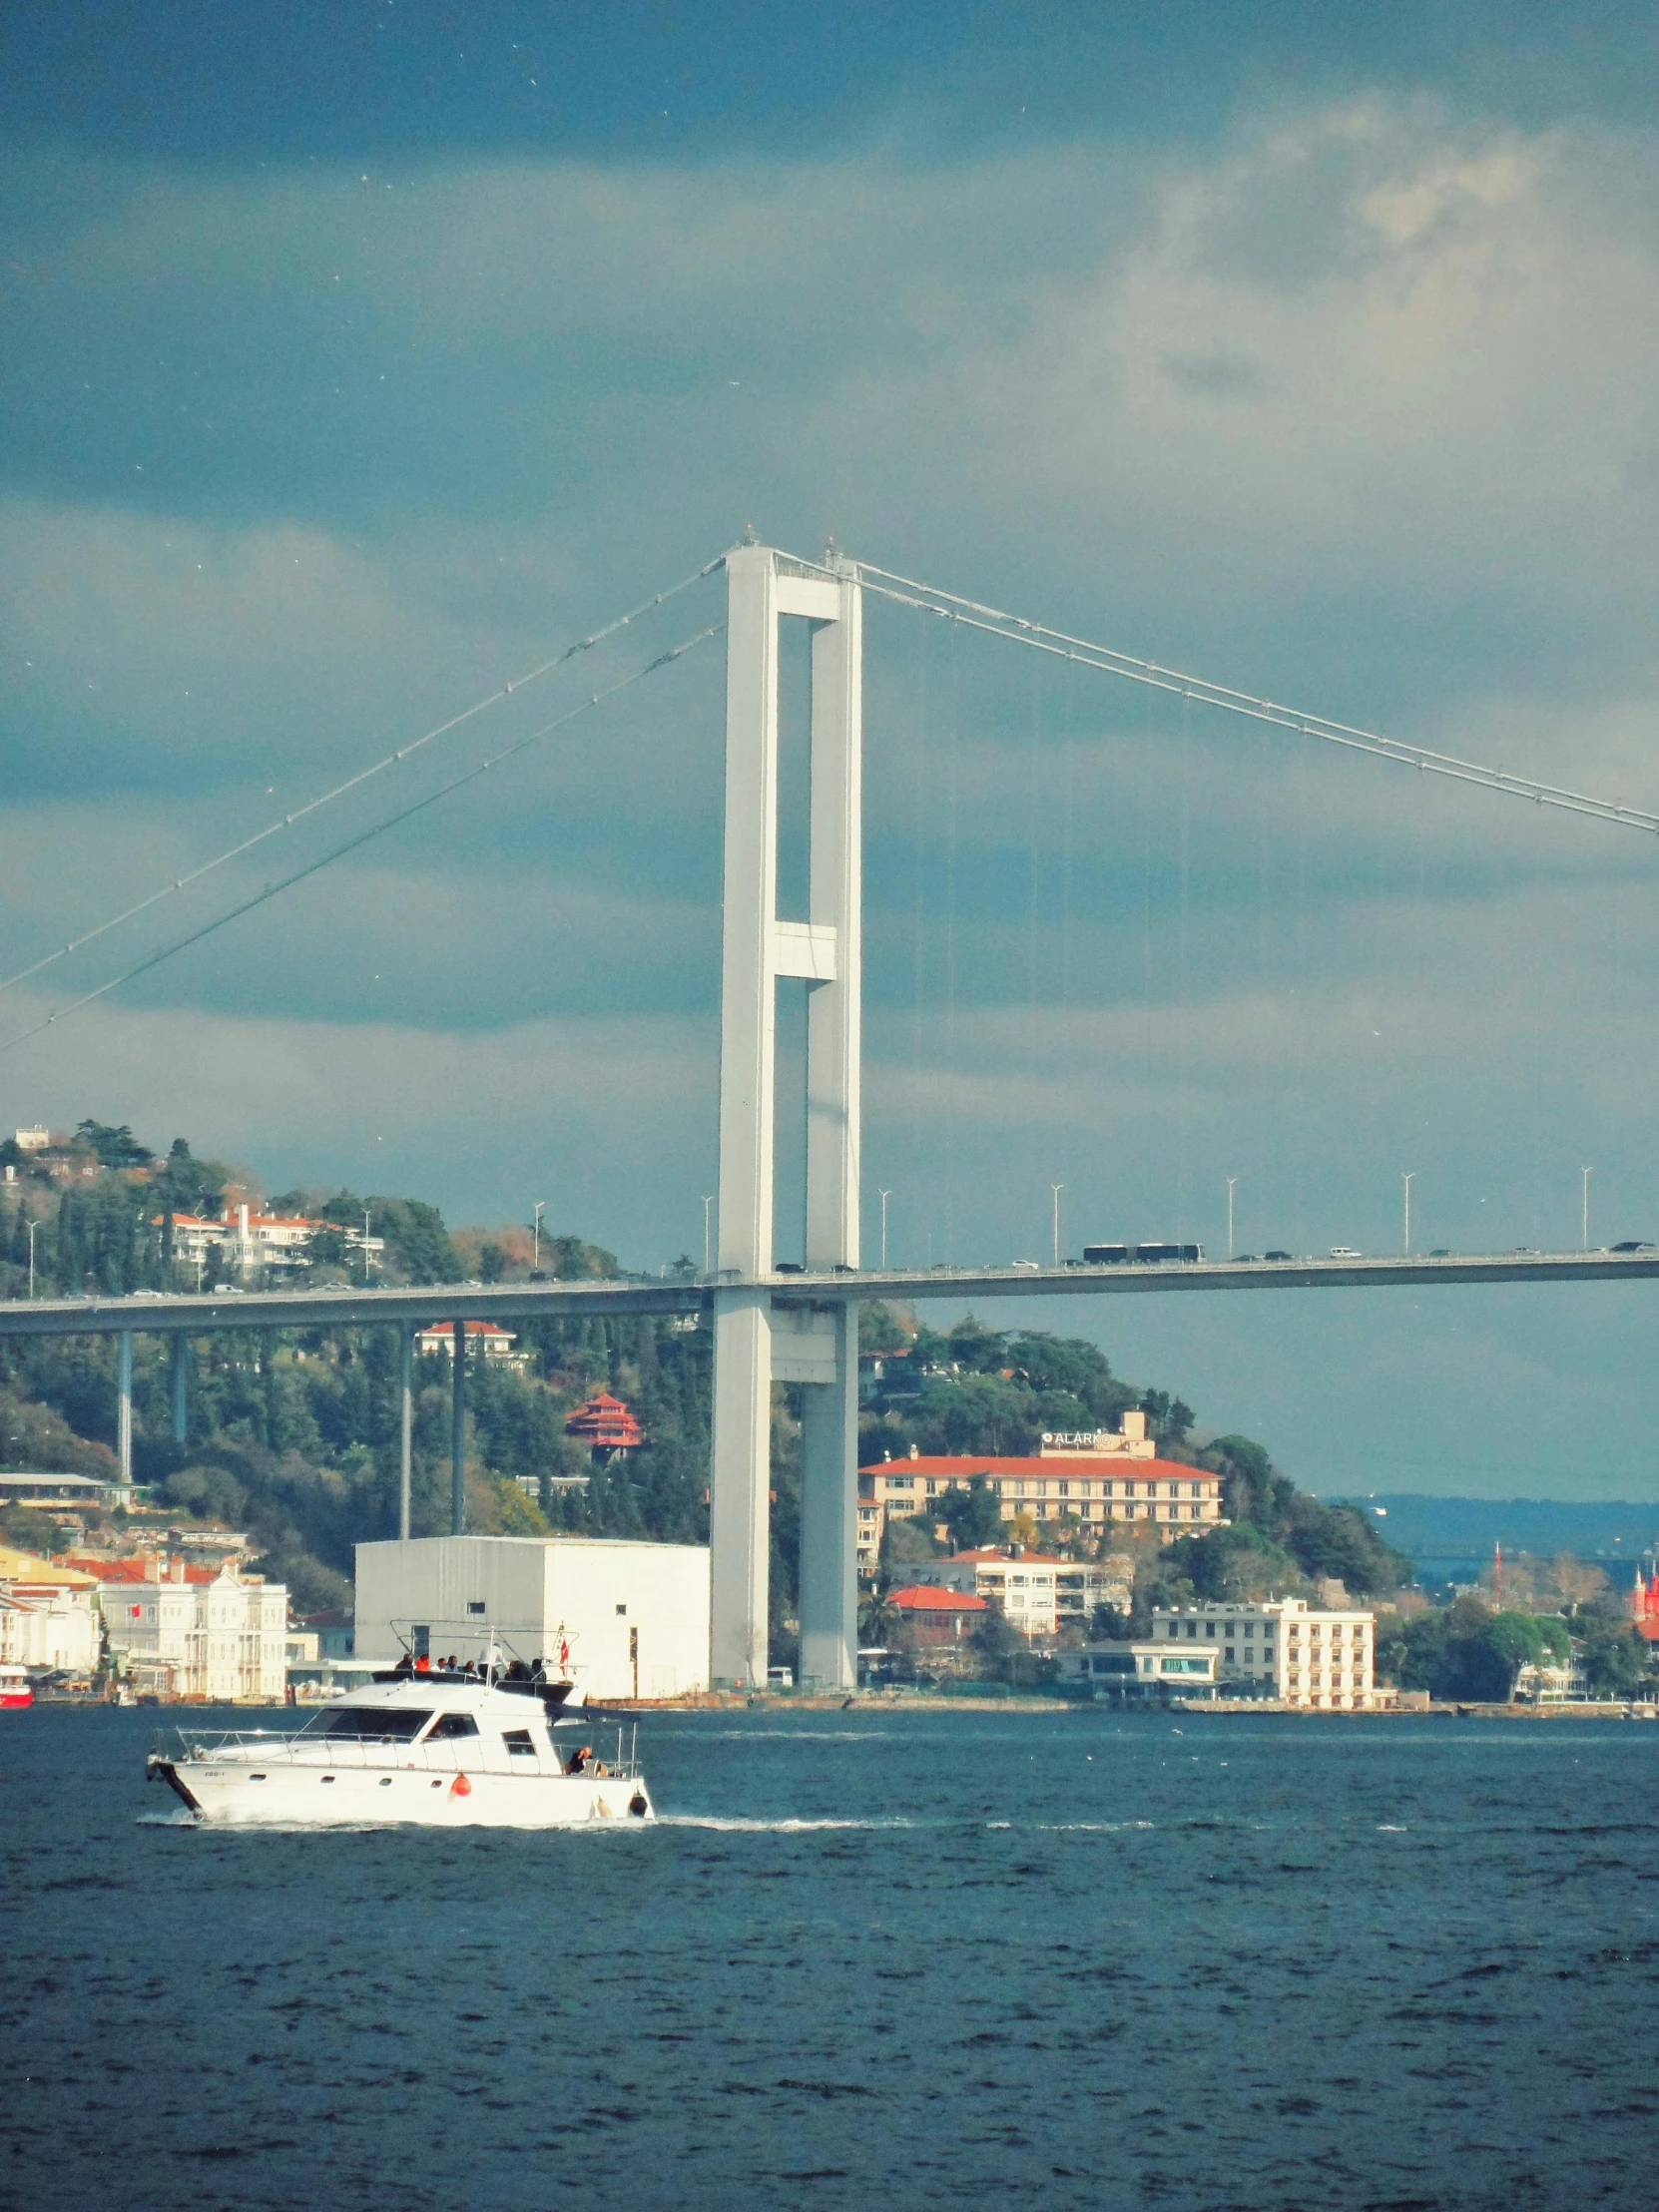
{"x": 293, "y": 1436}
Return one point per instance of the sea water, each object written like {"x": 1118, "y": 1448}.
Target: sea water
{"x": 865, "y": 1957}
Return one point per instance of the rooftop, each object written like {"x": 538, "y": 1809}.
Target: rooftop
{"x": 1112, "y": 1465}
{"x": 922, "y": 1597}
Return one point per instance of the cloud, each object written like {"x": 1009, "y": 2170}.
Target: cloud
{"x": 1352, "y": 406}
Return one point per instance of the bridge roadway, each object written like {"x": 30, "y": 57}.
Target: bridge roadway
{"x": 193, "y": 1315}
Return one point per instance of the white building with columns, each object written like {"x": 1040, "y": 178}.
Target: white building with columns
{"x": 1282, "y": 1648}
{"x": 223, "y": 1640}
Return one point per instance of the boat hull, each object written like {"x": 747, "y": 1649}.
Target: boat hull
{"x": 237, "y": 1793}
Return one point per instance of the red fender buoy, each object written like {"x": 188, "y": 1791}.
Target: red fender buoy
{"x": 460, "y": 1787}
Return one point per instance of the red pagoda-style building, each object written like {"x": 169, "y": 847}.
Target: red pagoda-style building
{"x": 606, "y": 1425}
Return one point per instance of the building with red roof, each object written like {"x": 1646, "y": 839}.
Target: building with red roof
{"x": 487, "y": 1336}
{"x": 936, "y": 1616}
{"x": 1094, "y": 1488}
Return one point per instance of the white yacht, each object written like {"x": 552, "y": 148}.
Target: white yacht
{"x": 443, "y": 1750}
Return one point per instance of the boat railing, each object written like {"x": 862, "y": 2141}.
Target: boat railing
{"x": 300, "y": 1747}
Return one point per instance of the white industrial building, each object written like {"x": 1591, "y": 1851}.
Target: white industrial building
{"x": 621, "y": 1619}
{"x": 224, "y": 1640}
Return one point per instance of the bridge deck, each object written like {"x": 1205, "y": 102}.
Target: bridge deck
{"x": 156, "y": 1314}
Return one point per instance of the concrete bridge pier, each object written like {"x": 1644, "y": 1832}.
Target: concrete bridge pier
{"x": 180, "y": 1388}
{"x": 753, "y": 1343}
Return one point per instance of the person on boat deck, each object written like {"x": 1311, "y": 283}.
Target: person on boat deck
{"x": 423, "y": 1665}
{"x": 579, "y": 1760}
{"x": 406, "y": 1665}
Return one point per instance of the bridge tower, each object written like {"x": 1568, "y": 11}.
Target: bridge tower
{"x": 754, "y": 1344}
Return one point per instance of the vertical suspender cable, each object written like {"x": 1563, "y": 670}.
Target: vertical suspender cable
{"x": 921, "y": 1207}
{"x": 1182, "y": 951}
{"x": 953, "y": 788}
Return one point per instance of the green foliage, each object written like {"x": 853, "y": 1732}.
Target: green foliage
{"x": 1617, "y": 1663}
{"x": 878, "y": 1328}
{"x": 972, "y": 1514}
{"x": 116, "y": 1147}
{"x": 418, "y": 1244}
{"x": 908, "y": 1538}
{"x": 1239, "y": 1563}
{"x": 1462, "y": 1653}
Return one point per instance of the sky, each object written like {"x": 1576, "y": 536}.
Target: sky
{"x": 361, "y": 358}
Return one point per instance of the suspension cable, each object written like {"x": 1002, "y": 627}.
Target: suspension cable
{"x": 325, "y": 798}
{"x": 364, "y": 836}
{"x": 904, "y": 590}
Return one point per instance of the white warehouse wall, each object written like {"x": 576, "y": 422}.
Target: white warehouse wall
{"x": 620, "y": 1605}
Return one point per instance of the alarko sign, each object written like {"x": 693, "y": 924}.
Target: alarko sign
{"x": 1086, "y": 1439}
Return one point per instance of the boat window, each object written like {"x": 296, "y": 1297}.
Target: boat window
{"x": 452, "y": 1724}
{"x": 369, "y": 1724}
{"x": 517, "y": 1741}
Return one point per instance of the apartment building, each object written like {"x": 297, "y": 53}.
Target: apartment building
{"x": 1040, "y": 1595}
{"x": 1133, "y": 1672}
{"x": 1282, "y": 1648}
{"x": 246, "y": 1243}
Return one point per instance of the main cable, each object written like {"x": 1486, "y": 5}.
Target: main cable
{"x": 324, "y": 799}
{"x": 364, "y": 836}
{"x": 904, "y": 590}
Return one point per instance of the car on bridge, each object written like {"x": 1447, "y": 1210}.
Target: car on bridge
{"x": 1632, "y": 1246}
{"x": 1346, "y": 1252}
{"x": 1277, "y": 1255}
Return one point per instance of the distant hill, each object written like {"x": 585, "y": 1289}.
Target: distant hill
{"x": 1444, "y": 1531}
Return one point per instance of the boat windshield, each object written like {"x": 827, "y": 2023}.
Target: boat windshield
{"x": 371, "y": 1724}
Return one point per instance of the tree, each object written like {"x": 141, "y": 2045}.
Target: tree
{"x": 973, "y": 1517}
{"x": 1616, "y": 1663}
{"x": 880, "y": 1329}
{"x": 115, "y": 1147}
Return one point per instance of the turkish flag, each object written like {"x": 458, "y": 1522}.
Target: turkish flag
{"x": 138, "y": 1612}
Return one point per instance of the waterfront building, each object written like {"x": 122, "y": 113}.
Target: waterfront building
{"x": 191, "y": 1633}
{"x": 1136, "y": 1672}
{"x": 1282, "y": 1648}
{"x": 622, "y": 1619}
{"x": 938, "y": 1617}
{"x": 50, "y": 1616}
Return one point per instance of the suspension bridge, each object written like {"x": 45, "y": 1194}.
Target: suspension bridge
{"x": 795, "y": 1324}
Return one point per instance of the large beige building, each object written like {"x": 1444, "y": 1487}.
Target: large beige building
{"x": 223, "y": 1637}
{"x": 1283, "y": 1649}
{"x": 1094, "y": 1480}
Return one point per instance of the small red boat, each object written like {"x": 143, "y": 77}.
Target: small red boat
{"x": 14, "y": 1685}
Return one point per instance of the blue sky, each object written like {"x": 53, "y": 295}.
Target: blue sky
{"x": 358, "y": 355}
